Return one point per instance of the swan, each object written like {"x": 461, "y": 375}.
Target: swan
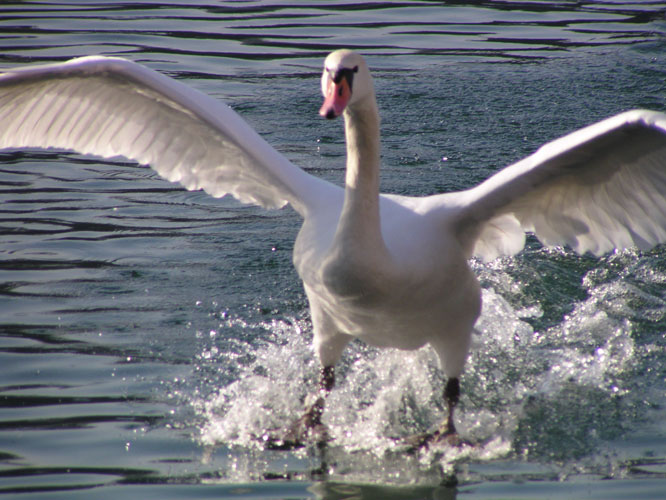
{"x": 390, "y": 270}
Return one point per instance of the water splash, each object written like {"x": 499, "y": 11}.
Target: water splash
{"x": 558, "y": 393}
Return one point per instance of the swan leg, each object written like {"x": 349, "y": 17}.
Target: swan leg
{"x": 328, "y": 344}
{"x": 447, "y": 431}
{"x": 452, "y": 396}
{"x": 309, "y": 427}
{"x": 312, "y": 417}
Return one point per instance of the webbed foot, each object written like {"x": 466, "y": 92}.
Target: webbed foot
{"x": 306, "y": 430}
{"x": 438, "y": 438}
{"x": 446, "y": 435}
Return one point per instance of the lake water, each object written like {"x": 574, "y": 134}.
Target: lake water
{"x": 148, "y": 335}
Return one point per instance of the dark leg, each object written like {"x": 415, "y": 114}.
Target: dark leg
{"x": 447, "y": 431}
{"x": 309, "y": 427}
{"x": 327, "y": 379}
{"x": 452, "y": 395}
{"x": 312, "y": 416}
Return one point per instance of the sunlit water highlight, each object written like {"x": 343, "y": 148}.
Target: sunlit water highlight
{"x": 547, "y": 396}
{"x": 150, "y": 336}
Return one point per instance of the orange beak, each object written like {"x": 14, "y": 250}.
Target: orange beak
{"x": 336, "y": 99}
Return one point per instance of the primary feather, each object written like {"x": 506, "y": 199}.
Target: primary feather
{"x": 113, "y": 107}
{"x": 599, "y": 188}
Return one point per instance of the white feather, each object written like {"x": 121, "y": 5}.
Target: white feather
{"x": 596, "y": 189}
{"x": 112, "y": 107}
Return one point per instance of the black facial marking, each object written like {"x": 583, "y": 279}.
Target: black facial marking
{"x": 346, "y": 73}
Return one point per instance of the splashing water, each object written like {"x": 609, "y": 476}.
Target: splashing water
{"x": 556, "y": 392}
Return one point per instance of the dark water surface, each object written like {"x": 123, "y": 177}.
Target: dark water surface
{"x": 148, "y": 335}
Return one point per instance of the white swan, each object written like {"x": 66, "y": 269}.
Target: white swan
{"x": 390, "y": 270}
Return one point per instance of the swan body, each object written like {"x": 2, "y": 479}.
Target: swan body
{"x": 390, "y": 270}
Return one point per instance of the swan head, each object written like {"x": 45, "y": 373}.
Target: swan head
{"x": 345, "y": 81}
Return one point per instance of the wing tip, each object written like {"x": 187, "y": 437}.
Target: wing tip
{"x": 83, "y": 64}
{"x": 642, "y": 116}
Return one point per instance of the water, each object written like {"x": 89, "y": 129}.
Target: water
{"x": 149, "y": 336}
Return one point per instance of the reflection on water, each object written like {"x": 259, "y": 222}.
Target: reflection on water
{"x": 149, "y": 335}
{"x": 272, "y": 32}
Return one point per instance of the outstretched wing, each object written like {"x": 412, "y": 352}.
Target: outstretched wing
{"x": 596, "y": 189}
{"x": 110, "y": 107}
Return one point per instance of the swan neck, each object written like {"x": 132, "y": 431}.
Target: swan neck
{"x": 362, "y": 133}
{"x": 360, "y": 218}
